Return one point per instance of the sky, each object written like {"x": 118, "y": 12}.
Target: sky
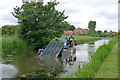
{"x": 79, "y": 12}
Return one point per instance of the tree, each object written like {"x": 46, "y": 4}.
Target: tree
{"x": 9, "y": 30}
{"x": 105, "y": 31}
{"x": 99, "y": 31}
{"x": 40, "y": 23}
{"x": 91, "y": 26}
{"x": 71, "y": 27}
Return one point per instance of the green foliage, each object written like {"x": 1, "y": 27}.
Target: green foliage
{"x": 90, "y": 69}
{"x": 71, "y": 27}
{"x": 10, "y": 30}
{"x": 109, "y": 68}
{"x": 40, "y": 23}
{"x": 81, "y": 40}
{"x": 91, "y": 27}
{"x": 14, "y": 46}
{"x": 105, "y": 31}
{"x": 99, "y": 31}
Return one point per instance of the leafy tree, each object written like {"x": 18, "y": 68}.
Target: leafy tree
{"x": 9, "y": 30}
{"x": 105, "y": 31}
{"x": 91, "y": 27}
{"x": 99, "y": 31}
{"x": 71, "y": 27}
{"x": 40, "y": 23}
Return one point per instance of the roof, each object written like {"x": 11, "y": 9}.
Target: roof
{"x": 81, "y": 29}
{"x": 71, "y": 32}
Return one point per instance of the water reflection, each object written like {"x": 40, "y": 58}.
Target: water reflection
{"x": 8, "y": 71}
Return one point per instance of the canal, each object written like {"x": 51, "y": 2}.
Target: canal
{"x": 60, "y": 65}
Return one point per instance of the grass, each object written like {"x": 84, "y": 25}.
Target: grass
{"x": 119, "y": 56}
{"x": 109, "y": 69}
{"x": 89, "y": 70}
{"x": 80, "y": 39}
{"x": 15, "y": 46}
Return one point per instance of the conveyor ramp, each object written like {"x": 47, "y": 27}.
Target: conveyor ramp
{"x": 48, "y": 55}
{"x": 53, "y": 45}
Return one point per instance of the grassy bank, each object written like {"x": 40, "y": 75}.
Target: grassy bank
{"x": 14, "y": 46}
{"x": 82, "y": 39}
{"x": 109, "y": 69}
{"x": 90, "y": 69}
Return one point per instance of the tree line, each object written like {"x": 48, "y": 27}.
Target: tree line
{"x": 93, "y": 32}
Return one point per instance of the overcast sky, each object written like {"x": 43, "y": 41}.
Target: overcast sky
{"x": 79, "y": 12}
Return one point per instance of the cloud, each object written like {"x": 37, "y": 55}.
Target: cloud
{"x": 6, "y": 7}
{"x": 105, "y": 13}
{"x": 79, "y": 12}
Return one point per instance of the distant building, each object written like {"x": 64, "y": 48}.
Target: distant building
{"x": 81, "y": 31}
{"x": 78, "y": 31}
{"x": 69, "y": 32}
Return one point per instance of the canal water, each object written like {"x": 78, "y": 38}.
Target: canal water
{"x": 67, "y": 66}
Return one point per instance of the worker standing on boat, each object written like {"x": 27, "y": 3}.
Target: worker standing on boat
{"x": 74, "y": 43}
{"x": 70, "y": 40}
{"x": 66, "y": 43}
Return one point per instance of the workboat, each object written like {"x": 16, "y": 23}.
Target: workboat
{"x": 56, "y": 49}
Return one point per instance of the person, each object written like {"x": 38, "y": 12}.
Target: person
{"x": 74, "y": 42}
{"x": 39, "y": 52}
{"x": 66, "y": 43}
{"x": 71, "y": 38}
{"x": 54, "y": 53}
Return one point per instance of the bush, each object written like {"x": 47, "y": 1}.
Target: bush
{"x": 10, "y": 30}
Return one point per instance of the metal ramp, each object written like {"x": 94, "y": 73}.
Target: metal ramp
{"x": 53, "y": 45}
{"x": 48, "y": 55}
